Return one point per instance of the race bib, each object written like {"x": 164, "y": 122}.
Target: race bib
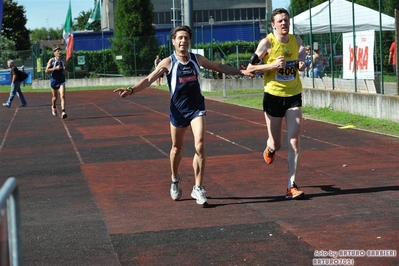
{"x": 288, "y": 73}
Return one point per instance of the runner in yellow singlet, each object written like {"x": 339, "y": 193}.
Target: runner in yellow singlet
{"x": 283, "y": 93}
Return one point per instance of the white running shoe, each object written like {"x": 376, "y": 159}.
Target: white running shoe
{"x": 175, "y": 190}
{"x": 198, "y": 193}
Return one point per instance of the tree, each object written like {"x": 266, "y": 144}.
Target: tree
{"x": 134, "y": 36}
{"x": 45, "y": 34}
{"x": 7, "y": 49}
{"x": 13, "y": 27}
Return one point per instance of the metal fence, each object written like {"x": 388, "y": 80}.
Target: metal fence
{"x": 353, "y": 39}
{"x": 10, "y": 245}
{"x": 103, "y": 63}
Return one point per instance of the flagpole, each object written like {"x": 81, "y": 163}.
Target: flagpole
{"x": 96, "y": 15}
{"x": 102, "y": 38}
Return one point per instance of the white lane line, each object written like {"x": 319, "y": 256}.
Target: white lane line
{"x": 73, "y": 143}
{"x": 8, "y": 129}
{"x": 264, "y": 125}
{"x": 153, "y": 145}
{"x": 229, "y": 141}
{"x": 107, "y": 113}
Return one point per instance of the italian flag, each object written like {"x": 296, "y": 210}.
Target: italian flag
{"x": 68, "y": 33}
{"x": 95, "y": 15}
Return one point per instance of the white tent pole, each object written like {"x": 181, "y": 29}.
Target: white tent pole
{"x": 354, "y": 44}
{"x": 332, "y": 50}
{"x": 381, "y": 57}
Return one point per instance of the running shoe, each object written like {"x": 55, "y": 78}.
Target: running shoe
{"x": 198, "y": 193}
{"x": 64, "y": 115}
{"x": 175, "y": 190}
{"x": 54, "y": 111}
{"x": 294, "y": 192}
{"x": 6, "y": 105}
{"x": 24, "y": 105}
{"x": 268, "y": 156}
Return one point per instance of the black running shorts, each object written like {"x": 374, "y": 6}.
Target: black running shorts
{"x": 277, "y": 106}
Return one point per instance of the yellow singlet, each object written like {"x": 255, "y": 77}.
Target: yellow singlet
{"x": 283, "y": 82}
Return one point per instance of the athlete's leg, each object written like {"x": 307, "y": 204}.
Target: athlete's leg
{"x": 198, "y": 128}
{"x": 293, "y": 118}
{"x": 62, "y": 96}
{"x": 275, "y": 132}
{"x": 54, "y": 98}
{"x": 177, "y": 135}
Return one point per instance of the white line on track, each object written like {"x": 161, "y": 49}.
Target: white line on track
{"x": 209, "y": 132}
{"x": 8, "y": 129}
{"x": 73, "y": 143}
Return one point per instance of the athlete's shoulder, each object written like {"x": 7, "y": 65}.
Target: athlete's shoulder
{"x": 269, "y": 37}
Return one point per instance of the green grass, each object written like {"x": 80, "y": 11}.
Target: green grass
{"x": 389, "y": 78}
{"x": 253, "y": 98}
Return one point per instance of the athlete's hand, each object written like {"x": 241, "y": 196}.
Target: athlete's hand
{"x": 247, "y": 73}
{"x": 123, "y": 92}
{"x": 280, "y": 62}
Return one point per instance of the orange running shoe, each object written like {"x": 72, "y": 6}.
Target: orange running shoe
{"x": 294, "y": 193}
{"x": 268, "y": 156}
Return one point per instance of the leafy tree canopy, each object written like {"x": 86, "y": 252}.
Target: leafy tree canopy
{"x": 134, "y": 36}
{"x": 45, "y": 34}
{"x": 13, "y": 25}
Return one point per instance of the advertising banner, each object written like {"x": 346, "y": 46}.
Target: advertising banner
{"x": 364, "y": 51}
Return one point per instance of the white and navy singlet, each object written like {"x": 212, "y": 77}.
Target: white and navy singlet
{"x": 186, "y": 99}
{"x": 57, "y": 78}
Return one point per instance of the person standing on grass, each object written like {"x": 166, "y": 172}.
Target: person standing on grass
{"x": 15, "y": 86}
{"x": 187, "y": 105}
{"x": 57, "y": 67}
{"x": 317, "y": 65}
{"x": 283, "y": 93}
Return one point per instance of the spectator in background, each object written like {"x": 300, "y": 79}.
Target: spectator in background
{"x": 302, "y": 57}
{"x": 308, "y": 60}
{"x": 317, "y": 65}
{"x": 392, "y": 56}
{"x": 156, "y": 62}
{"x": 15, "y": 86}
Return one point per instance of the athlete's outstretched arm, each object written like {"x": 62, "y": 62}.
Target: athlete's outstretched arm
{"x": 163, "y": 67}
{"x": 227, "y": 69}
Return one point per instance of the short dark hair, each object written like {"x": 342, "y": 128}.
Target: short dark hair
{"x": 181, "y": 28}
{"x": 279, "y": 11}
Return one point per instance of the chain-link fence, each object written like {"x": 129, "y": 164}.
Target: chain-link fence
{"x": 130, "y": 60}
{"x": 352, "y": 40}
{"x": 135, "y": 57}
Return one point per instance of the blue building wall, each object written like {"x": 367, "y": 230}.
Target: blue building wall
{"x": 5, "y": 78}
{"x": 231, "y": 31}
{"x": 92, "y": 40}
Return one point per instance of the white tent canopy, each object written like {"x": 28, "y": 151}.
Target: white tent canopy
{"x": 341, "y": 19}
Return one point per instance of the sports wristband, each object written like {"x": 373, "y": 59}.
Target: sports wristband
{"x": 131, "y": 90}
